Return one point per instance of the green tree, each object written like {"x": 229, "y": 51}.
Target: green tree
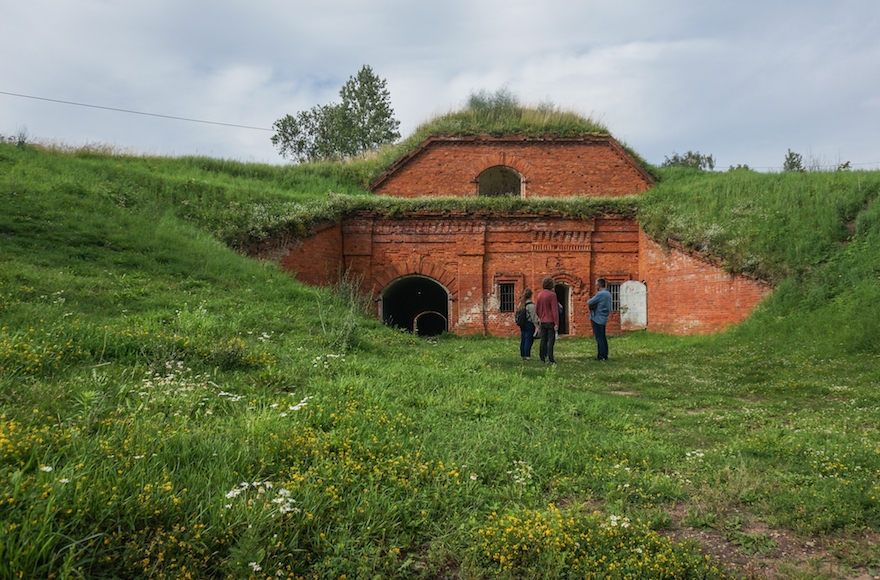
{"x": 793, "y": 162}
{"x": 692, "y": 159}
{"x": 363, "y": 121}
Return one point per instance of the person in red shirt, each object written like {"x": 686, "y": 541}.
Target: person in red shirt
{"x": 547, "y": 309}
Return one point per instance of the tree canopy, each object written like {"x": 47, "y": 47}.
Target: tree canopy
{"x": 692, "y": 159}
{"x": 363, "y": 121}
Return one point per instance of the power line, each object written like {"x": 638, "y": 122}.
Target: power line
{"x": 134, "y": 112}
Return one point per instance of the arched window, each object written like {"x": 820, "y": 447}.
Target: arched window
{"x": 500, "y": 181}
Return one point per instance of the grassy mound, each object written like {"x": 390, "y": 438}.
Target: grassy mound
{"x": 170, "y": 409}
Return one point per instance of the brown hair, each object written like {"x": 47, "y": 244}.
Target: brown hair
{"x": 527, "y": 293}
{"x": 548, "y": 283}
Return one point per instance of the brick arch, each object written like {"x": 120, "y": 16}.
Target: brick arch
{"x": 574, "y": 282}
{"x": 411, "y": 267}
{"x": 502, "y": 158}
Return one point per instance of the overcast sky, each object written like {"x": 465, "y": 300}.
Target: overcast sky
{"x": 742, "y": 80}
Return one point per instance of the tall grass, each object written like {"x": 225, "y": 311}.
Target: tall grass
{"x": 769, "y": 225}
{"x": 169, "y": 409}
{"x": 813, "y": 234}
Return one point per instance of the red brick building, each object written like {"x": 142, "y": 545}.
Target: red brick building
{"x": 465, "y": 272}
{"x": 492, "y": 166}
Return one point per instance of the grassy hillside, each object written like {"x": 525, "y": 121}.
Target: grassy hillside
{"x": 814, "y": 235}
{"x": 169, "y": 409}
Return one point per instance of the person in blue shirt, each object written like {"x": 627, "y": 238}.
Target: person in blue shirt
{"x": 600, "y": 308}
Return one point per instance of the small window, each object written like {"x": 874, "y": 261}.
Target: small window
{"x": 614, "y": 289}
{"x": 499, "y": 181}
{"x": 507, "y": 296}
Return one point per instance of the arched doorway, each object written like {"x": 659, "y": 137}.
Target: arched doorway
{"x": 563, "y": 294}
{"x": 430, "y": 323}
{"x": 418, "y": 304}
{"x": 500, "y": 181}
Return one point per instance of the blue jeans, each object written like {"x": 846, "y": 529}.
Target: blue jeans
{"x": 526, "y": 339}
{"x": 601, "y": 340}
{"x": 548, "y": 340}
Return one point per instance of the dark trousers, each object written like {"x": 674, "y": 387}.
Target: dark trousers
{"x": 548, "y": 340}
{"x": 601, "y": 340}
{"x": 526, "y": 339}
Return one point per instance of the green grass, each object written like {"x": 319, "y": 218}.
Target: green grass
{"x": 170, "y": 409}
{"x": 770, "y": 225}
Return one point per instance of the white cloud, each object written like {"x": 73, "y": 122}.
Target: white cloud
{"x": 743, "y": 81}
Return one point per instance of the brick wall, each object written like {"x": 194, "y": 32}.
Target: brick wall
{"x": 315, "y": 260}
{"x": 469, "y": 256}
{"x": 690, "y": 295}
{"x": 590, "y": 166}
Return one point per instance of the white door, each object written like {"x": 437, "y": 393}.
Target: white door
{"x": 633, "y": 305}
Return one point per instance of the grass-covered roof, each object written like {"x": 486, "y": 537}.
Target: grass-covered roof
{"x": 501, "y": 114}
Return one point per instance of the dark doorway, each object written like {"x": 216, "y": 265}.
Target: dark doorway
{"x": 429, "y": 324}
{"x": 563, "y": 292}
{"x": 417, "y": 304}
{"x": 500, "y": 181}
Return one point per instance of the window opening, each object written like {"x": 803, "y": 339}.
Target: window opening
{"x": 614, "y": 289}
{"x": 507, "y": 297}
{"x": 500, "y": 181}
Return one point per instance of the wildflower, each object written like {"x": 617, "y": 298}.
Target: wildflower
{"x": 615, "y": 521}
{"x": 46, "y": 468}
{"x": 521, "y": 473}
{"x": 63, "y": 480}
{"x": 300, "y": 405}
{"x": 255, "y": 567}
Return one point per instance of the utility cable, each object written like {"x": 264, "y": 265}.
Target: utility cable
{"x": 134, "y": 112}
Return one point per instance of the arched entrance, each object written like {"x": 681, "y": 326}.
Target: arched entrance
{"x": 418, "y": 304}
{"x": 563, "y": 294}
{"x": 500, "y": 181}
{"x": 430, "y": 323}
